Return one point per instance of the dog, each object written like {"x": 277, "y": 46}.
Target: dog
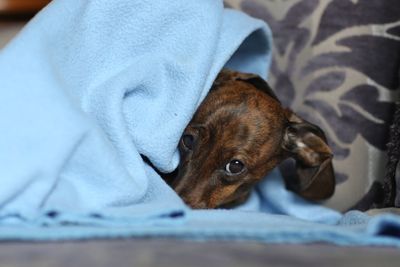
{"x": 239, "y": 133}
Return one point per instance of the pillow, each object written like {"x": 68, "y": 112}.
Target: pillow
{"x": 336, "y": 64}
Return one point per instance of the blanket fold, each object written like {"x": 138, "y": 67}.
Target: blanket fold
{"x": 90, "y": 87}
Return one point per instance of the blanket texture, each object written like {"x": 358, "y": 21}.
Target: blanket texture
{"x": 89, "y": 88}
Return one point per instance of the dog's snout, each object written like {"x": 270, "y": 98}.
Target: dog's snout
{"x": 193, "y": 202}
{"x": 191, "y": 195}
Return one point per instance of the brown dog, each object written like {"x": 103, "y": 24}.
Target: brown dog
{"x": 239, "y": 133}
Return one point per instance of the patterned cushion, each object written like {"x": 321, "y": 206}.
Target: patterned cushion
{"x": 336, "y": 63}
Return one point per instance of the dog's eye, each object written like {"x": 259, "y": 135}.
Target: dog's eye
{"x": 188, "y": 141}
{"x": 234, "y": 167}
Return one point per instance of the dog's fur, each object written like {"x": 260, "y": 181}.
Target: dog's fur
{"x": 241, "y": 123}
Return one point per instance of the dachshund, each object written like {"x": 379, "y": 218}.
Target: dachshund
{"x": 238, "y": 134}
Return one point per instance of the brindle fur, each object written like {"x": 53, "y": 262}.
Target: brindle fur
{"x": 242, "y": 119}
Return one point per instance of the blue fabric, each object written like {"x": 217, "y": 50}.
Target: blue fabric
{"x": 88, "y": 87}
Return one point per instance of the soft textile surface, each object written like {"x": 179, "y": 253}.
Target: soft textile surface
{"x": 90, "y": 86}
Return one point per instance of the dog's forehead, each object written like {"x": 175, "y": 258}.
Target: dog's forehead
{"x": 235, "y": 77}
{"x": 238, "y": 99}
{"x": 236, "y": 110}
{"x": 237, "y": 119}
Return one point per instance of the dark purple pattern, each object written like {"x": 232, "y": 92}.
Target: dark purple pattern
{"x": 366, "y": 96}
{"x": 351, "y": 14}
{"x": 377, "y": 57}
{"x": 350, "y": 122}
{"x": 285, "y": 90}
{"x": 287, "y": 30}
{"x": 394, "y": 31}
{"x": 340, "y": 178}
{"x": 326, "y": 83}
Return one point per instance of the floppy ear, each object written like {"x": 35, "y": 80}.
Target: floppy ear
{"x": 258, "y": 83}
{"x": 306, "y": 144}
{"x": 253, "y": 79}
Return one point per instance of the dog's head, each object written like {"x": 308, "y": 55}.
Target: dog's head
{"x": 239, "y": 133}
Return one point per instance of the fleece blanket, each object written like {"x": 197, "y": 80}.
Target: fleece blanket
{"x": 90, "y": 88}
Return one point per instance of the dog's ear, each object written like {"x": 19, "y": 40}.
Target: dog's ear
{"x": 253, "y": 79}
{"x": 306, "y": 144}
{"x": 258, "y": 83}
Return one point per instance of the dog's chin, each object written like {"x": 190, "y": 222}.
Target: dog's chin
{"x": 199, "y": 206}
{"x": 205, "y": 206}
{"x": 236, "y": 202}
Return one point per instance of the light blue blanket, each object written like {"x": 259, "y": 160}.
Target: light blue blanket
{"x": 89, "y": 87}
